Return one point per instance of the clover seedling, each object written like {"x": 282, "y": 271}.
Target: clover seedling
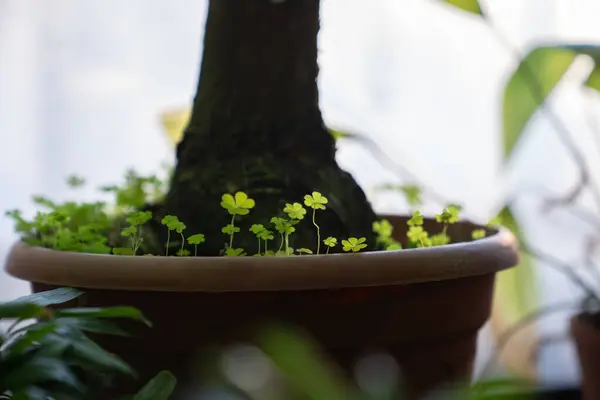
{"x": 478, "y": 234}
{"x": 419, "y": 236}
{"x": 450, "y": 215}
{"x": 316, "y": 201}
{"x": 304, "y": 251}
{"x": 173, "y": 224}
{"x": 234, "y": 252}
{"x": 133, "y": 232}
{"x": 285, "y": 229}
{"x": 384, "y": 230}
{"x": 259, "y": 232}
{"x": 354, "y": 244}
{"x": 330, "y": 242}
{"x": 295, "y": 211}
{"x": 238, "y": 204}
{"x": 196, "y": 239}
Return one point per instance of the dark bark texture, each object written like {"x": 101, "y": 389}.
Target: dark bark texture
{"x": 256, "y": 127}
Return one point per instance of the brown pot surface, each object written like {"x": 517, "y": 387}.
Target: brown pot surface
{"x": 423, "y": 306}
{"x": 587, "y": 342}
{"x": 484, "y": 256}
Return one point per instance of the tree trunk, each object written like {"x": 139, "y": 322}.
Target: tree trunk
{"x": 256, "y": 127}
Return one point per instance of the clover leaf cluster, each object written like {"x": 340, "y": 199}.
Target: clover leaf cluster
{"x": 87, "y": 226}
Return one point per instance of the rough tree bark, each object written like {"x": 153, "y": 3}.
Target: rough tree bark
{"x": 256, "y": 127}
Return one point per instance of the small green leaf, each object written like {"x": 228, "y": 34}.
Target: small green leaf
{"x": 21, "y": 310}
{"x": 198, "y": 238}
{"x": 354, "y": 244}
{"x": 159, "y": 388}
{"x": 230, "y": 229}
{"x": 337, "y": 135}
{"x": 238, "y": 205}
{"x": 471, "y": 6}
{"x": 295, "y": 211}
{"x": 304, "y": 251}
{"x": 478, "y": 234}
{"x": 315, "y": 201}
{"x": 123, "y": 251}
{"x": 231, "y": 252}
{"x": 330, "y": 241}
{"x": 109, "y": 312}
{"x": 75, "y": 181}
{"x": 50, "y": 297}
{"x": 416, "y": 219}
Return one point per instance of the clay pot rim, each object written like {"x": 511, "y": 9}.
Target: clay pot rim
{"x": 221, "y": 274}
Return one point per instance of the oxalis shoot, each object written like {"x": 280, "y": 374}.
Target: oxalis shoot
{"x": 87, "y": 227}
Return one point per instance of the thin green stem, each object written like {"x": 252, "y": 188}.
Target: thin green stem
{"x": 168, "y": 240}
{"x": 266, "y": 249}
{"x": 232, "y": 231}
{"x": 287, "y": 244}
{"x": 258, "y": 245}
{"x": 182, "y": 242}
{"x": 318, "y": 231}
{"x": 195, "y": 250}
{"x": 281, "y": 244}
{"x": 327, "y": 252}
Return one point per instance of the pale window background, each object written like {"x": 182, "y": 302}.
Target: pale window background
{"x": 82, "y": 85}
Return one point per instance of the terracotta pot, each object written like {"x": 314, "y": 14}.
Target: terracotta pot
{"x": 585, "y": 330}
{"x": 423, "y": 306}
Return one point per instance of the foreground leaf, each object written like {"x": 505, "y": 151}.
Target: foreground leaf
{"x": 159, "y": 388}
{"x": 110, "y": 312}
{"x": 20, "y": 310}
{"x": 301, "y": 364}
{"x": 40, "y": 370}
{"x": 50, "y": 297}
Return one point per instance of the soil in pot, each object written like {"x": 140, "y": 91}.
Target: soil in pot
{"x": 422, "y": 306}
{"x": 585, "y": 329}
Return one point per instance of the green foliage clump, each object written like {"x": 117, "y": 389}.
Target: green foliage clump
{"x": 87, "y": 227}
{"x": 53, "y": 358}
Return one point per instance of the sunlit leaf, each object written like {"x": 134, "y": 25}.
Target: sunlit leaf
{"x": 516, "y": 295}
{"x": 593, "y": 80}
{"x": 471, "y": 6}
{"x": 533, "y": 81}
{"x": 175, "y": 123}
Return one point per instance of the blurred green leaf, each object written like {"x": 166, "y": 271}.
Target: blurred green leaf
{"x": 94, "y": 326}
{"x": 466, "y": 5}
{"x": 516, "y": 288}
{"x": 110, "y": 312}
{"x": 159, "y": 388}
{"x": 337, "y": 134}
{"x": 37, "y": 370}
{"x": 302, "y": 365}
{"x": 528, "y": 88}
{"x": 33, "y": 334}
{"x": 593, "y": 80}
{"x": 50, "y": 297}
{"x": 533, "y": 81}
{"x": 87, "y": 352}
{"x": 20, "y": 310}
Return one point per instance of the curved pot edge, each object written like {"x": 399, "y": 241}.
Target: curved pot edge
{"x": 218, "y": 274}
